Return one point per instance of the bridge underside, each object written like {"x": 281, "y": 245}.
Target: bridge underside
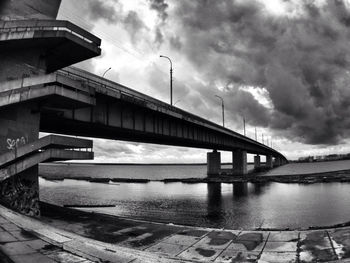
{"x": 74, "y": 102}
{"x": 123, "y": 119}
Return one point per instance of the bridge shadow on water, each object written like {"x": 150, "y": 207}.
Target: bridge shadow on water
{"x": 218, "y": 199}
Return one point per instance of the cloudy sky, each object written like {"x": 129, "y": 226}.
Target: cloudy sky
{"x": 280, "y": 64}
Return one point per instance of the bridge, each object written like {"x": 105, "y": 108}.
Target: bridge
{"x": 41, "y": 92}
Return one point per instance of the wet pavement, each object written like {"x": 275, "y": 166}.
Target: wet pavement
{"x": 85, "y": 237}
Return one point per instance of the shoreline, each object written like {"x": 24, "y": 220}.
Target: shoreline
{"x": 342, "y": 176}
{"x": 66, "y": 213}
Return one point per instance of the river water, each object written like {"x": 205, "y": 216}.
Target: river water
{"x": 232, "y": 206}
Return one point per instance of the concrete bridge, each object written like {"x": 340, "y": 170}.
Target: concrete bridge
{"x": 39, "y": 91}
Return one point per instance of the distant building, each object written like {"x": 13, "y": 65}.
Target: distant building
{"x": 308, "y": 159}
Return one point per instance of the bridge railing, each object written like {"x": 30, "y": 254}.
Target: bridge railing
{"x": 161, "y": 106}
{"x": 56, "y": 25}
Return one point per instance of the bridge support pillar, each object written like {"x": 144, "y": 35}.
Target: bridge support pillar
{"x": 277, "y": 162}
{"x": 239, "y": 162}
{"x": 19, "y": 125}
{"x": 269, "y": 163}
{"x": 257, "y": 161}
{"x": 213, "y": 163}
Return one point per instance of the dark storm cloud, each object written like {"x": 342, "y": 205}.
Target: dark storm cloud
{"x": 301, "y": 59}
{"x": 161, "y": 7}
{"x": 112, "y": 13}
{"x": 99, "y": 9}
{"x": 133, "y": 24}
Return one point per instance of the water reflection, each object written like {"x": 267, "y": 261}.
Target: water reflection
{"x": 259, "y": 188}
{"x": 242, "y": 205}
{"x": 240, "y": 190}
{"x": 214, "y": 201}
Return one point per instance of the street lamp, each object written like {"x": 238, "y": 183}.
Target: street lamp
{"x": 244, "y": 126}
{"x": 106, "y": 72}
{"x": 176, "y": 102}
{"x": 171, "y": 78}
{"x": 223, "y": 110}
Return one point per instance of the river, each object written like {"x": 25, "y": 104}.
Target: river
{"x": 232, "y": 206}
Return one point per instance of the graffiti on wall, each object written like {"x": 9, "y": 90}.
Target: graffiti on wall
{"x": 14, "y": 143}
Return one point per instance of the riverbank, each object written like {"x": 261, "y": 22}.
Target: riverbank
{"x": 305, "y": 173}
{"x": 67, "y": 235}
{"x": 254, "y": 177}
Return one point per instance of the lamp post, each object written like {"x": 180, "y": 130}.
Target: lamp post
{"x": 223, "y": 110}
{"x": 106, "y": 72}
{"x": 171, "y": 78}
{"x": 244, "y": 126}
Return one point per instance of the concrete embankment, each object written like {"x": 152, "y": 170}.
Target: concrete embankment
{"x": 67, "y": 235}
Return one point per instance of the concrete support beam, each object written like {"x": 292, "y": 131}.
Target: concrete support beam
{"x": 239, "y": 162}
{"x": 257, "y": 162}
{"x": 213, "y": 163}
{"x": 269, "y": 163}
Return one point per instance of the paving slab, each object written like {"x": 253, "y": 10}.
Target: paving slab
{"x": 278, "y": 257}
{"x": 62, "y": 256}
{"x": 341, "y": 242}
{"x": 249, "y": 242}
{"x": 52, "y": 237}
{"x": 200, "y": 254}
{"x": 253, "y": 236}
{"x": 150, "y": 237}
{"x": 94, "y": 252}
{"x": 183, "y": 240}
{"x": 316, "y": 245}
{"x": 318, "y": 255}
{"x": 284, "y": 236}
{"x": 6, "y": 237}
{"x": 3, "y": 220}
{"x": 213, "y": 243}
{"x": 247, "y": 246}
{"x": 36, "y": 244}
{"x": 230, "y": 256}
{"x": 16, "y": 248}
{"x": 276, "y": 246}
{"x": 193, "y": 232}
{"x": 32, "y": 258}
{"x": 313, "y": 238}
{"x": 167, "y": 249}
{"x": 223, "y": 234}
{"x": 22, "y": 235}
{"x": 10, "y": 227}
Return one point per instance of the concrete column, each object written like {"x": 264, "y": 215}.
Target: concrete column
{"x": 239, "y": 162}
{"x": 256, "y": 161}
{"x": 269, "y": 161}
{"x": 277, "y": 161}
{"x": 213, "y": 163}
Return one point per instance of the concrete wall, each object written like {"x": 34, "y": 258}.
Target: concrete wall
{"x": 20, "y": 126}
{"x": 22, "y": 63}
{"x": 29, "y": 9}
